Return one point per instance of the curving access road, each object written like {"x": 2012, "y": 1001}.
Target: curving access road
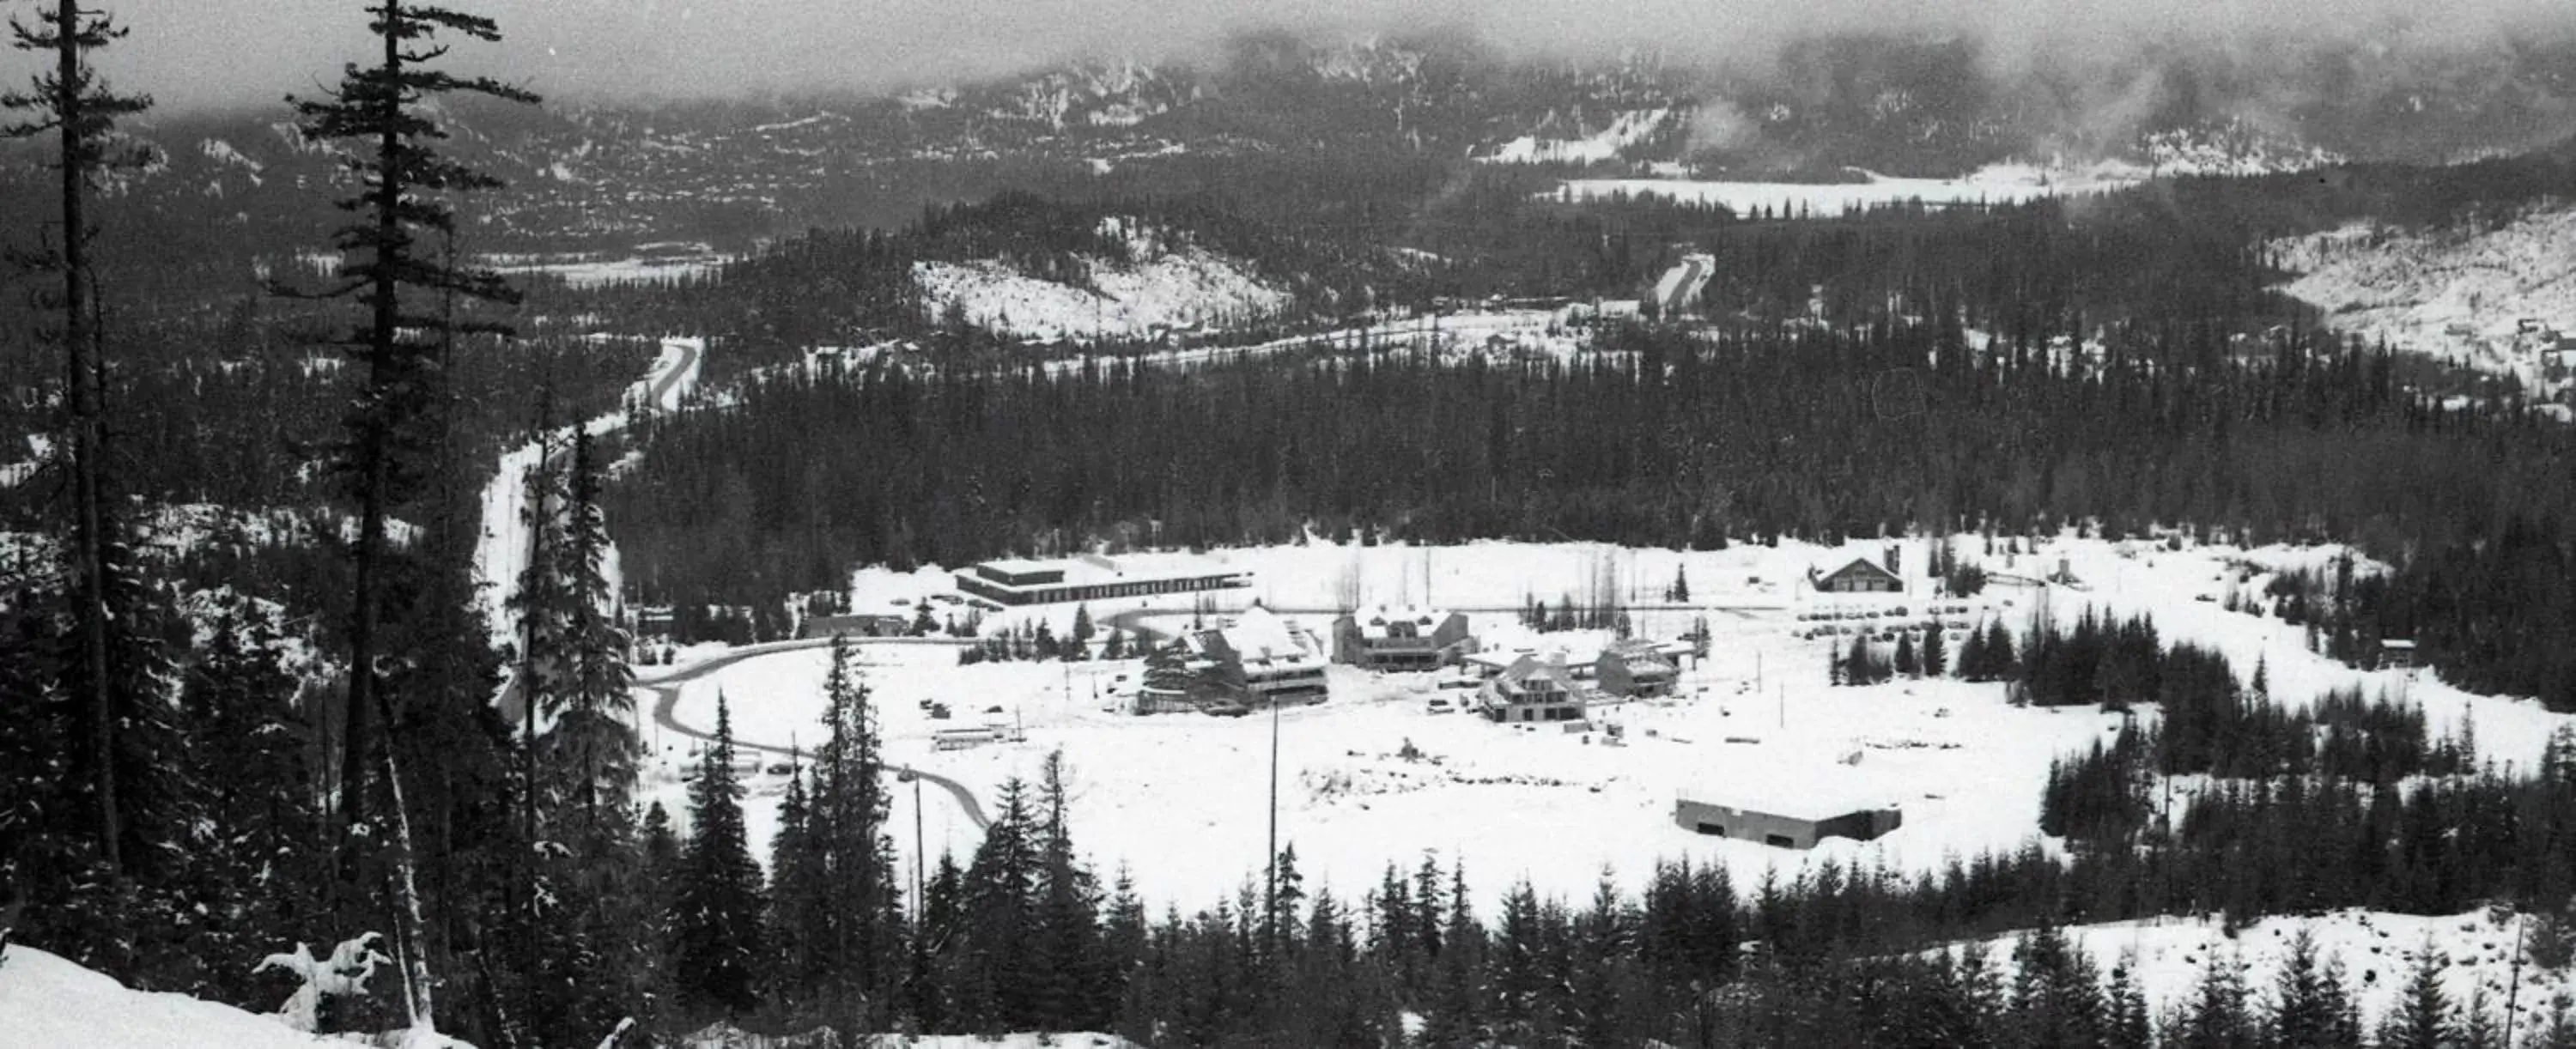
{"x": 666, "y": 699}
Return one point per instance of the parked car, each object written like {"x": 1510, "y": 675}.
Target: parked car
{"x": 1440, "y": 705}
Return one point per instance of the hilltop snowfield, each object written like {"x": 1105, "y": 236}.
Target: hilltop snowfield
{"x": 1625, "y": 130}
{"x": 592, "y": 271}
{"x": 1177, "y": 287}
{"x": 47, "y": 1002}
{"x": 1182, "y": 798}
{"x": 2011, "y": 183}
{"x": 2444, "y": 291}
{"x": 2376, "y": 949}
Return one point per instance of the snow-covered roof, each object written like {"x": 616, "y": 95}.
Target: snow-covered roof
{"x": 1259, "y": 635}
{"x": 1527, "y": 668}
{"x": 1373, "y": 622}
{"x": 1022, "y": 565}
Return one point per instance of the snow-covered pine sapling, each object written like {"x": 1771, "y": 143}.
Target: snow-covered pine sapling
{"x": 344, "y": 974}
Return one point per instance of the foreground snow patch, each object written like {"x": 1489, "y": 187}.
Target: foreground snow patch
{"x": 47, "y": 1002}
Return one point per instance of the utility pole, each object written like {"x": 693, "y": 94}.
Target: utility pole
{"x": 1270, "y": 893}
{"x": 2513, "y": 982}
{"x": 914, "y": 778}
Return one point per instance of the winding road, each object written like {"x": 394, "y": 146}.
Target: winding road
{"x": 666, "y": 699}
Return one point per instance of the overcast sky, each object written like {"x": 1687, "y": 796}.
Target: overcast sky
{"x": 232, "y": 52}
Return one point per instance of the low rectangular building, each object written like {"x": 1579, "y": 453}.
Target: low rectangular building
{"x": 1788, "y": 823}
{"x": 1020, "y": 581}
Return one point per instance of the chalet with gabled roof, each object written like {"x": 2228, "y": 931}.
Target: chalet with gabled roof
{"x": 1636, "y": 669}
{"x": 1860, "y": 576}
{"x": 1530, "y": 690}
{"x": 1401, "y": 638}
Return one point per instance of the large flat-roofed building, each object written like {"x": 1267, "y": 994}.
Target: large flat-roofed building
{"x": 1781, "y": 817}
{"x": 1089, "y": 577}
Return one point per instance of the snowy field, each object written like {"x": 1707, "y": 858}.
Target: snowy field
{"x": 1182, "y": 798}
{"x": 2377, "y": 951}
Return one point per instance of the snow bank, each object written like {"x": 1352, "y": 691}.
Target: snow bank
{"x": 47, "y": 1002}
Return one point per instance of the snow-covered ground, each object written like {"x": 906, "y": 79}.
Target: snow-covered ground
{"x": 1625, "y": 130}
{"x": 2012, "y": 183}
{"x": 2448, "y": 292}
{"x": 49, "y": 1003}
{"x": 2377, "y": 951}
{"x": 1182, "y": 798}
